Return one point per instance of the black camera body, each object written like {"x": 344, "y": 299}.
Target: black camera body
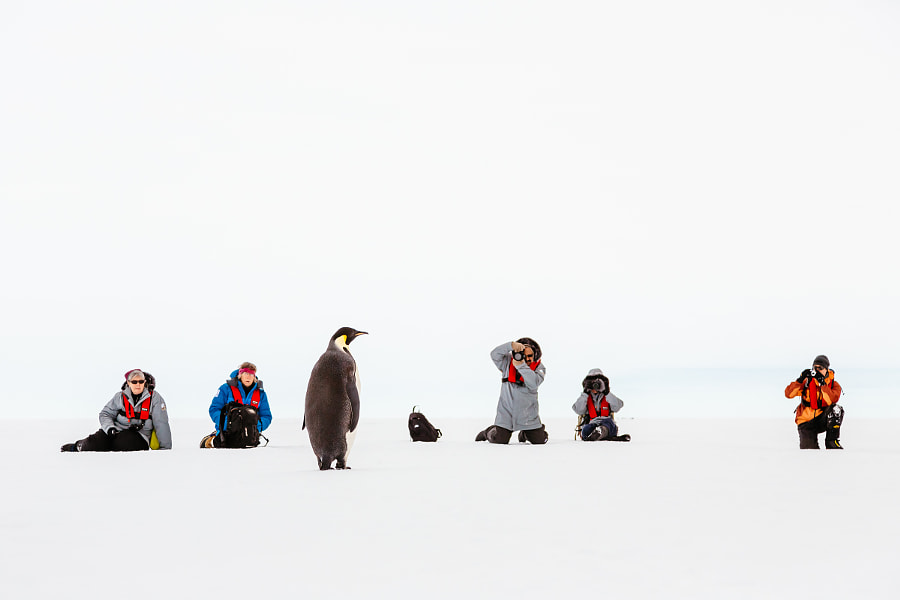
{"x": 518, "y": 355}
{"x": 595, "y": 385}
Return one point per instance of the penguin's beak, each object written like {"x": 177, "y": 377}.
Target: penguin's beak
{"x": 359, "y": 333}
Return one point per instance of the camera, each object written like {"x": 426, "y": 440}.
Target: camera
{"x": 518, "y": 355}
{"x": 595, "y": 385}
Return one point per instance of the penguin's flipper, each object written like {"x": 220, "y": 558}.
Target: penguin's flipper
{"x": 304, "y": 423}
{"x": 353, "y": 394}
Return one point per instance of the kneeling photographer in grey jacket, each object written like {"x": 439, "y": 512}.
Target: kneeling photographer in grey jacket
{"x": 517, "y": 409}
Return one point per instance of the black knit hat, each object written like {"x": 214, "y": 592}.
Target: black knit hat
{"x": 822, "y": 360}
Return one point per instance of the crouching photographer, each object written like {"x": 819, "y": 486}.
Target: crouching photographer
{"x": 240, "y": 411}
{"x": 818, "y": 410}
{"x": 596, "y": 408}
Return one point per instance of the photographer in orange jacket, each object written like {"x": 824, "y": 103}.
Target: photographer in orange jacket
{"x": 818, "y": 410}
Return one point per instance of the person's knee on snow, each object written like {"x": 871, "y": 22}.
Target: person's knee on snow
{"x": 537, "y": 436}
{"x": 498, "y": 435}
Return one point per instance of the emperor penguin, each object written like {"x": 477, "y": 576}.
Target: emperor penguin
{"x": 332, "y": 401}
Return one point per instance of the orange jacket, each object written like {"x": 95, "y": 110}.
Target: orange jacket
{"x": 829, "y": 393}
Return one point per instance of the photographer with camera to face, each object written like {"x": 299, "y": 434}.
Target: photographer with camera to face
{"x": 818, "y": 410}
{"x": 596, "y": 407}
{"x": 517, "y": 409}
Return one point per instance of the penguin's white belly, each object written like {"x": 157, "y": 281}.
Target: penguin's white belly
{"x": 351, "y": 435}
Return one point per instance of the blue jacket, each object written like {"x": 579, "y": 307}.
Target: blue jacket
{"x": 224, "y": 396}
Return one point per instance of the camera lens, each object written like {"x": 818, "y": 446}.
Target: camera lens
{"x": 518, "y": 355}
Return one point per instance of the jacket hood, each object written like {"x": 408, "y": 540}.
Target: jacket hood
{"x": 233, "y": 380}
{"x": 595, "y": 374}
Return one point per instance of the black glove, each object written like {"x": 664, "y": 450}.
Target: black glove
{"x": 112, "y": 431}
{"x": 806, "y": 374}
{"x": 820, "y": 378}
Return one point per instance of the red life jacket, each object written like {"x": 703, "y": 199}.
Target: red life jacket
{"x": 514, "y": 375}
{"x": 145, "y": 407}
{"x": 812, "y": 393}
{"x": 254, "y": 399}
{"x": 604, "y": 407}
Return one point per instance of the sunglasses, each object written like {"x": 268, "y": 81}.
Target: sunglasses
{"x": 819, "y": 368}
{"x": 137, "y": 382}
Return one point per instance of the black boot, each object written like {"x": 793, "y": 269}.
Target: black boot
{"x": 73, "y": 447}
{"x": 482, "y": 436}
{"x": 833, "y": 431}
{"x": 521, "y": 438}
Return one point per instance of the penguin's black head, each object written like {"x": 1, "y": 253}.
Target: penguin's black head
{"x": 343, "y": 336}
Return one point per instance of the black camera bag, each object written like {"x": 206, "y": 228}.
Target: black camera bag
{"x": 241, "y": 430}
{"x": 420, "y": 429}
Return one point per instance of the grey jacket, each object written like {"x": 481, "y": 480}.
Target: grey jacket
{"x": 517, "y": 409}
{"x": 113, "y": 415}
{"x": 581, "y": 407}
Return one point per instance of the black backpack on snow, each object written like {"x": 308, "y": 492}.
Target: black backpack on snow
{"x": 420, "y": 429}
{"x": 238, "y": 426}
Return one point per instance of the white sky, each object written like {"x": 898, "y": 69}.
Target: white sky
{"x": 186, "y": 185}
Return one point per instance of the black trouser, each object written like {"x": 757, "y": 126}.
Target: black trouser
{"x": 500, "y": 435}
{"x": 125, "y": 441}
{"x": 828, "y": 422}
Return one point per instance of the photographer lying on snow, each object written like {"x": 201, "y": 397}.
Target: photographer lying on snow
{"x": 240, "y": 411}
{"x": 129, "y": 420}
{"x": 597, "y": 407}
{"x": 517, "y": 409}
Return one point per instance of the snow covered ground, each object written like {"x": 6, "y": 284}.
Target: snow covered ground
{"x": 689, "y": 509}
